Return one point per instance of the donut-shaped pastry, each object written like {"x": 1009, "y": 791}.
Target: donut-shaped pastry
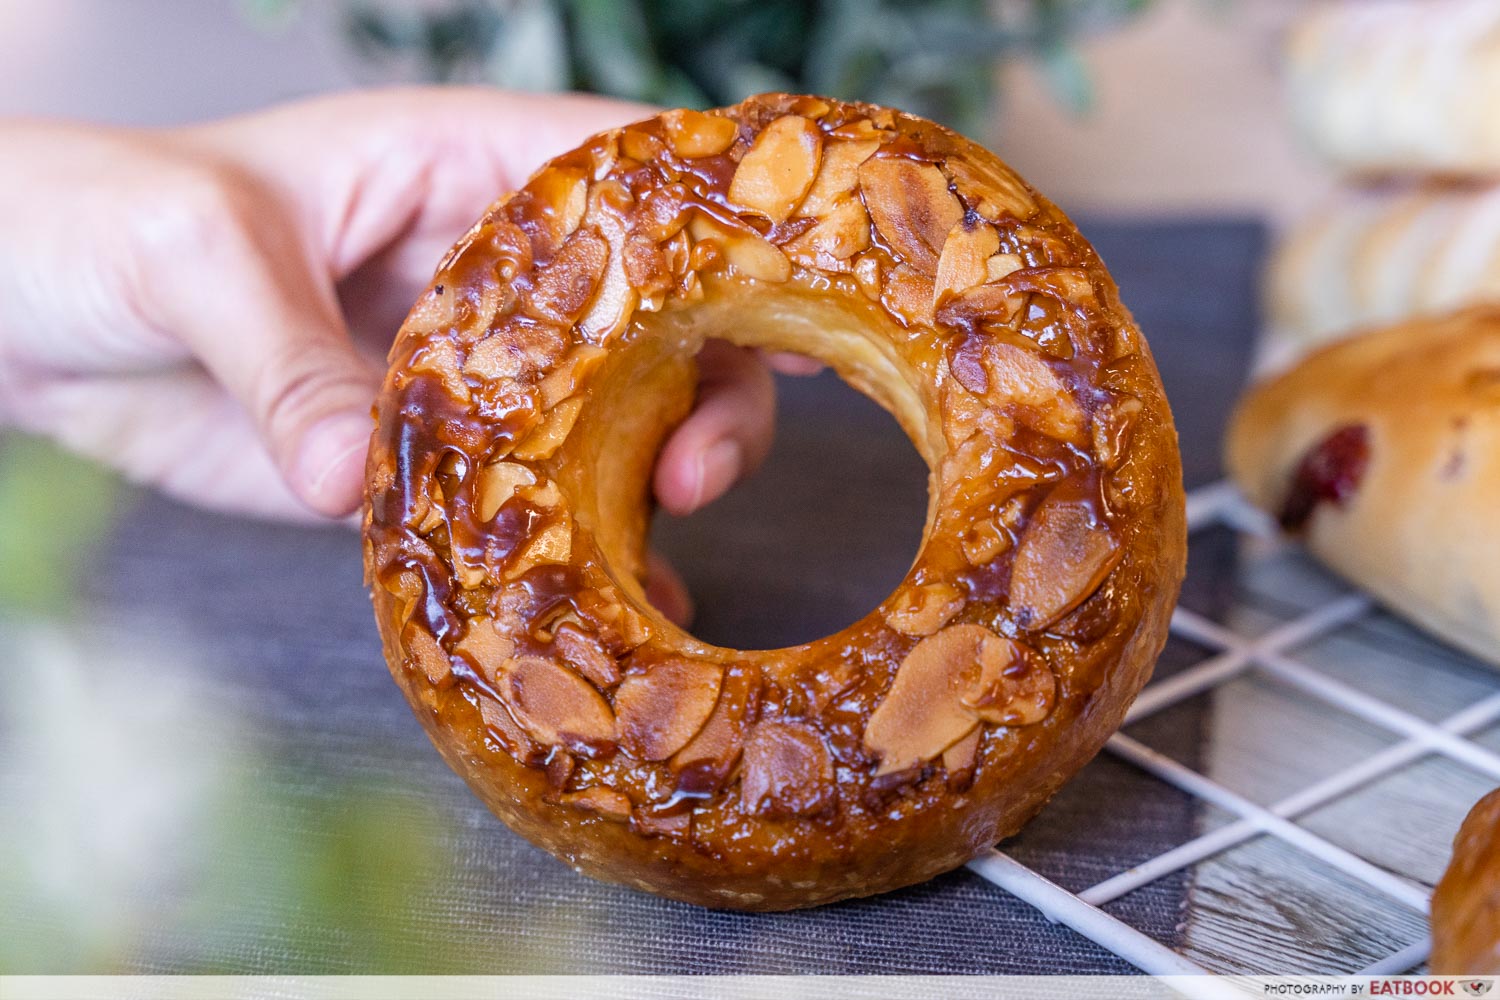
{"x": 529, "y": 392}
{"x": 1382, "y": 452}
{"x": 1466, "y": 903}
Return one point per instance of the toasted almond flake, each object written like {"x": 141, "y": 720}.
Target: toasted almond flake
{"x": 677, "y": 826}
{"x": 517, "y": 347}
{"x": 616, "y": 299}
{"x": 837, "y": 176}
{"x": 1001, "y": 265}
{"x": 867, "y": 274}
{"x": 434, "y": 516}
{"x": 841, "y": 233}
{"x": 982, "y": 541}
{"x": 1019, "y": 693}
{"x": 470, "y": 574}
{"x": 440, "y": 358}
{"x": 435, "y": 312}
{"x": 778, "y": 169}
{"x": 562, "y": 194}
{"x": 744, "y": 250}
{"x": 924, "y": 712}
{"x": 406, "y": 587}
{"x": 965, "y": 258}
{"x": 553, "y": 544}
{"x": 498, "y": 482}
{"x": 562, "y": 289}
{"x": 858, "y": 130}
{"x": 908, "y": 294}
{"x": 551, "y": 433}
{"x": 424, "y": 650}
{"x": 584, "y": 654}
{"x": 499, "y": 721}
{"x": 556, "y": 706}
{"x": 994, "y": 191}
{"x": 560, "y": 766}
{"x": 960, "y": 759}
{"x": 912, "y": 207}
{"x": 1021, "y": 376}
{"x": 1063, "y": 557}
{"x": 923, "y": 610}
{"x": 693, "y": 134}
{"x": 706, "y": 761}
{"x": 572, "y": 371}
{"x": 485, "y": 647}
{"x": 544, "y": 494}
{"x": 982, "y": 307}
{"x": 605, "y": 802}
{"x": 660, "y": 710}
{"x": 787, "y": 771}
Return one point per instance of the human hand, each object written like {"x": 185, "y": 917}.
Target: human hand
{"x": 207, "y": 308}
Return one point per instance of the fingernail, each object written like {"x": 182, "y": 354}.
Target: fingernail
{"x": 329, "y": 464}
{"x": 718, "y": 467}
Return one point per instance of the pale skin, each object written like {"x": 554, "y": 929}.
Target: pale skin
{"x": 207, "y": 309}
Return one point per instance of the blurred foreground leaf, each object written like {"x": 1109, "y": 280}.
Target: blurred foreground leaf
{"x": 53, "y": 507}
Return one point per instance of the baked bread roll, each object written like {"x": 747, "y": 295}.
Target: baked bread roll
{"x": 506, "y": 518}
{"x": 1373, "y": 258}
{"x": 1381, "y": 86}
{"x": 1466, "y": 904}
{"x": 1383, "y": 452}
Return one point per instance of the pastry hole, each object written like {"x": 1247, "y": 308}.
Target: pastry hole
{"x": 842, "y": 471}
{"x": 817, "y": 537}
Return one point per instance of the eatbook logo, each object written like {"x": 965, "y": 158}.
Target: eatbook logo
{"x": 1477, "y": 987}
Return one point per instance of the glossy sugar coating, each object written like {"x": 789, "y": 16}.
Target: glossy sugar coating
{"x": 530, "y": 390}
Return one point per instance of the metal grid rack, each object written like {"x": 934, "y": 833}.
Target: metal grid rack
{"x": 1287, "y": 652}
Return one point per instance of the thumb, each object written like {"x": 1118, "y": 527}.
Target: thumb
{"x": 249, "y": 300}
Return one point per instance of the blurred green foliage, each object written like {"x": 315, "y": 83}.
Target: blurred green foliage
{"x": 56, "y": 506}
{"x": 932, "y": 57}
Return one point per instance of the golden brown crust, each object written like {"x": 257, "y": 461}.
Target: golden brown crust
{"x": 507, "y": 504}
{"x": 1466, "y": 904}
{"x": 1384, "y": 450}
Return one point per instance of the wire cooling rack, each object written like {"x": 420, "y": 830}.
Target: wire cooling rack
{"x": 1346, "y": 749}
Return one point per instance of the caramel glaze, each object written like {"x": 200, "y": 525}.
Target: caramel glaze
{"x": 1466, "y": 903}
{"x": 534, "y": 382}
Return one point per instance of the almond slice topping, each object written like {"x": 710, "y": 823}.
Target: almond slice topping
{"x": 1017, "y": 693}
{"x": 837, "y": 177}
{"x": 584, "y": 654}
{"x": 663, "y": 708}
{"x": 923, "y": 713}
{"x": 787, "y": 771}
{"x": 747, "y": 252}
{"x": 498, "y": 482}
{"x": 485, "y": 646}
{"x": 553, "y": 544}
{"x": 553, "y": 431}
{"x": 965, "y": 259}
{"x": 925, "y": 609}
{"x": 429, "y": 656}
{"x": 960, "y": 760}
{"x": 779, "y": 168}
{"x": 606, "y": 802}
{"x": 704, "y": 764}
{"x": 1063, "y": 557}
{"x": 841, "y": 232}
{"x": 912, "y": 207}
{"x": 692, "y": 134}
{"x": 575, "y": 367}
{"x": 556, "y": 706}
